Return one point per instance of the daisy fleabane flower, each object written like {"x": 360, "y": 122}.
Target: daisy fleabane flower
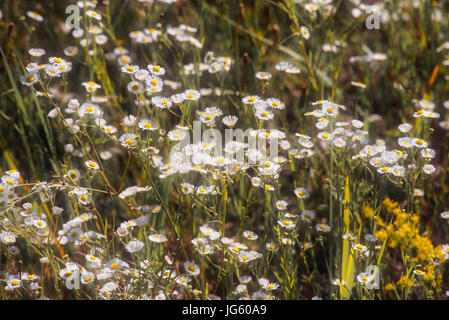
{"x": 263, "y": 75}
{"x": 192, "y": 94}
{"x": 305, "y": 32}
{"x": 29, "y": 79}
{"x": 35, "y": 16}
{"x": 93, "y": 14}
{"x": 301, "y": 193}
{"x": 156, "y": 70}
{"x": 146, "y": 124}
{"x": 264, "y": 115}
{"x": 177, "y": 135}
{"x": 36, "y": 52}
{"x": 230, "y": 121}
{"x": 405, "y": 127}
{"x": 358, "y": 84}
{"x": 92, "y": 165}
{"x": 131, "y": 69}
{"x": 135, "y": 87}
{"x": 250, "y": 99}
{"x": 129, "y": 121}
{"x": 128, "y": 140}
{"x": 275, "y": 103}
{"x": 91, "y": 86}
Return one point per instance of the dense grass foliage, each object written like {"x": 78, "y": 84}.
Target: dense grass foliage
{"x": 224, "y": 149}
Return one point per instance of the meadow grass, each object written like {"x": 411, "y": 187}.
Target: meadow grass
{"x": 334, "y": 187}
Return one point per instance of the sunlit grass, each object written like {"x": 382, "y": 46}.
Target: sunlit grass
{"x": 99, "y": 199}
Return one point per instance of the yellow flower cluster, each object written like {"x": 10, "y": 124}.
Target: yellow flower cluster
{"x": 368, "y": 212}
{"x": 405, "y": 282}
{"x": 390, "y": 205}
{"x": 424, "y": 249}
{"x": 403, "y": 232}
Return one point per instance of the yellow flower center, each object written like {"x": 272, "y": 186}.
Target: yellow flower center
{"x": 191, "y": 268}
{"x": 114, "y": 265}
